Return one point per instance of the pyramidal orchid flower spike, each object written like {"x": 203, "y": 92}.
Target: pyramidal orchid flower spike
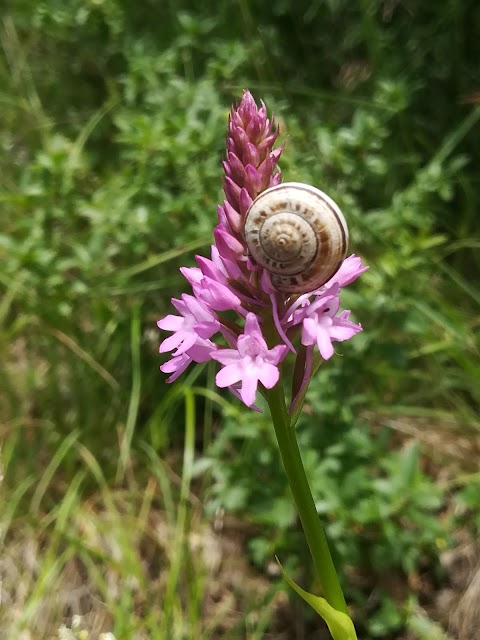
{"x": 230, "y": 281}
{"x": 252, "y": 314}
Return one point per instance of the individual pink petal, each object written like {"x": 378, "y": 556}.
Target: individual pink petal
{"x": 275, "y": 154}
{"x": 265, "y": 172}
{"x": 226, "y": 168}
{"x": 176, "y": 366}
{"x": 226, "y": 356}
{"x": 245, "y": 201}
{"x": 233, "y": 217}
{"x": 201, "y": 351}
{"x": 251, "y": 155}
{"x": 237, "y": 169}
{"x": 181, "y": 340}
{"x": 191, "y": 274}
{"x": 235, "y": 390}
{"x": 206, "y": 329}
{"x": 170, "y": 323}
{"x": 228, "y": 375}
{"x": 196, "y": 308}
{"x": 238, "y": 135}
{"x": 277, "y": 354}
{"x": 309, "y": 331}
{"x": 228, "y": 246}
{"x": 253, "y": 181}
{"x": 268, "y": 142}
{"x": 232, "y": 191}
{"x": 217, "y": 296}
{"x": 276, "y": 179}
{"x": 172, "y": 342}
{"x": 248, "y": 390}
{"x": 233, "y": 271}
{"x": 210, "y": 269}
{"x": 255, "y": 127}
{"x": 268, "y": 375}
{"x": 180, "y": 306}
{"x": 252, "y": 331}
{"x": 222, "y": 218}
{"x": 236, "y": 119}
{"x": 340, "y": 333}
{"x": 176, "y": 363}
{"x": 351, "y": 268}
{"x": 228, "y": 267}
{"x": 324, "y": 344}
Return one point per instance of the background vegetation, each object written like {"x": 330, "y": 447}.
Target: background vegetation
{"x": 155, "y": 512}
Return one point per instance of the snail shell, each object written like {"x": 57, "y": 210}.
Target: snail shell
{"x": 298, "y": 234}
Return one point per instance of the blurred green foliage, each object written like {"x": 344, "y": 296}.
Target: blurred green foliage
{"x": 112, "y": 132}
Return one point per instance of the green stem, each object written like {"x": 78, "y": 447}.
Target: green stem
{"x": 302, "y": 495}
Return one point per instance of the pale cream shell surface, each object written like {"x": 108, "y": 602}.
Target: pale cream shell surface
{"x": 298, "y": 234}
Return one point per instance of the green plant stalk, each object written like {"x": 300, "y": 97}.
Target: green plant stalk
{"x": 297, "y": 479}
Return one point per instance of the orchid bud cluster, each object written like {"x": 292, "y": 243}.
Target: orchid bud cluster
{"x": 235, "y": 316}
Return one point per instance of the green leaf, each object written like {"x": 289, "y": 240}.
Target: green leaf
{"x": 339, "y": 624}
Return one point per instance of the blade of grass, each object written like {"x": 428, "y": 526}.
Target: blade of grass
{"x": 77, "y": 147}
{"x": 11, "y": 502}
{"x": 82, "y": 354}
{"x": 51, "y": 469}
{"x": 160, "y": 473}
{"x": 134, "y": 394}
{"x": 22, "y": 76}
{"x": 156, "y": 260}
{"x": 457, "y": 135}
{"x": 179, "y": 544}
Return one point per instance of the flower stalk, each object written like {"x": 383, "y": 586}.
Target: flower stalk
{"x": 302, "y": 495}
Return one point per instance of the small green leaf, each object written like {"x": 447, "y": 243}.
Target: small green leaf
{"x": 339, "y": 624}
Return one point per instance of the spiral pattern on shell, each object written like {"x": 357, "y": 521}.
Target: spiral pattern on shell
{"x": 298, "y": 234}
